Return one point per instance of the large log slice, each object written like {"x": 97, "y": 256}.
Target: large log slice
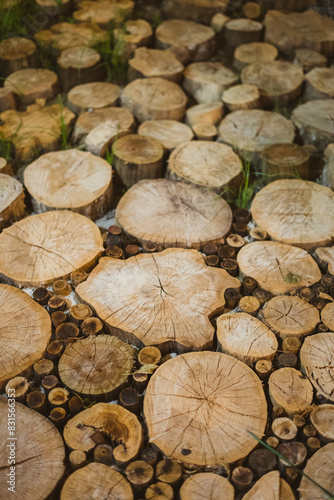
{"x": 270, "y": 486}
{"x": 278, "y": 268}
{"x": 315, "y": 122}
{"x": 12, "y": 207}
{"x": 157, "y": 299}
{"x": 291, "y": 390}
{"x": 320, "y": 468}
{"x": 25, "y": 331}
{"x": 40, "y": 454}
{"x": 199, "y": 406}
{"x": 42, "y": 248}
{"x": 206, "y": 486}
{"x": 296, "y": 212}
{"x": 173, "y": 214}
{"x": 322, "y": 418}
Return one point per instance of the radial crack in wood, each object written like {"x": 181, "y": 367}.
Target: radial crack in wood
{"x": 290, "y": 389}
{"x": 270, "y": 486}
{"x": 320, "y": 468}
{"x": 206, "y": 486}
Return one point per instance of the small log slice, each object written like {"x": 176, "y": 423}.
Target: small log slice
{"x": 206, "y": 486}
{"x": 102, "y": 136}
{"x": 122, "y": 119}
{"x": 24, "y": 334}
{"x": 325, "y": 258}
{"x": 155, "y": 63}
{"x": 196, "y": 39}
{"x": 137, "y": 157}
{"x": 121, "y": 299}
{"x": 79, "y": 65}
{"x": 31, "y": 84}
{"x": 154, "y": 99}
{"x": 240, "y": 31}
{"x": 291, "y": 390}
{"x": 322, "y": 419}
{"x": 284, "y": 161}
{"x": 290, "y": 316}
{"x": 169, "y": 133}
{"x": 12, "y": 206}
{"x": 96, "y": 367}
{"x": 309, "y": 59}
{"x": 278, "y": 268}
{"x": 315, "y": 122}
{"x": 171, "y": 213}
{"x": 242, "y": 96}
{"x": 316, "y": 358}
{"x": 296, "y": 212}
{"x": 320, "y": 468}
{"x": 256, "y": 52}
{"x": 16, "y": 53}
{"x": 42, "y": 248}
{"x": 205, "y": 131}
{"x": 39, "y": 460}
{"x": 270, "y": 486}
{"x": 207, "y": 164}
{"x": 205, "y": 113}
{"x": 114, "y": 422}
{"x": 71, "y": 179}
{"x": 96, "y": 480}
{"x": 103, "y": 12}
{"x": 195, "y": 10}
{"x": 93, "y": 96}
{"x": 62, "y": 36}
{"x": 245, "y": 337}
{"x": 138, "y": 32}
{"x": 327, "y": 316}
{"x": 319, "y": 84}
{"x": 205, "y": 419}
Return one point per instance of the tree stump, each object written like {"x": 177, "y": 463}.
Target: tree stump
{"x": 96, "y": 367}
{"x": 94, "y": 96}
{"x": 296, "y": 212}
{"x": 195, "y": 10}
{"x": 121, "y": 118}
{"x": 309, "y": 29}
{"x": 112, "y": 421}
{"x": 196, "y": 39}
{"x": 245, "y": 337}
{"x": 31, "y": 84}
{"x": 137, "y": 157}
{"x": 12, "y": 206}
{"x": 240, "y": 31}
{"x": 79, "y": 65}
{"x": 242, "y": 97}
{"x": 40, "y": 249}
{"x": 251, "y": 130}
{"x": 279, "y": 82}
{"x": 315, "y": 122}
{"x": 138, "y": 32}
{"x": 72, "y": 180}
{"x": 171, "y": 213}
{"x": 39, "y": 453}
{"x": 155, "y": 63}
{"x": 103, "y": 12}
{"x": 319, "y": 84}
{"x": 270, "y": 486}
{"x": 208, "y": 164}
{"x": 205, "y": 132}
{"x": 278, "y": 268}
{"x": 316, "y": 356}
{"x": 62, "y": 36}
{"x": 309, "y": 59}
{"x": 15, "y": 54}
{"x": 25, "y": 332}
{"x": 154, "y": 99}
{"x": 322, "y": 419}
{"x": 206, "y": 81}
{"x": 206, "y": 486}
{"x": 291, "y": 390}
{"x": 205, "y": 113}
{"x": 121, "y": 299}
{"x": 204, "y": 421}
{"x": 320, "y": 468}
{"x": 290, "y": 316}
{"x": 285, "y": 161}
{"x": 169, "y": 133}
{"x": 96, "y": 480}
{"x": 256, "y": 52}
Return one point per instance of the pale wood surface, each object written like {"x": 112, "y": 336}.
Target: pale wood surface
{"x": 290, "y": 389}
{"x": 122, "y": 119}
{"x": 170, "y": 133}
{"x": 206, "y": 81}
{"x": 270, "y": 486}
{"x": 327, "y": 316}
{"x": 63, "y": 36}
{"x": 12, "y": 206}
{"x": 320, "y": 468}
{"x": 206, "y": 486}
{"x": 152, "y": 62}
{"x": 322, "y": 418}
{"x": 315, "y": 122}
{"x": 94, "y": 95}
{"x": 242, "y": 96}
{"x": 31, "y": 84}
{"x": 325, "y": 256}
{"x": 256, "y": 52}
{"x": 102, "y": 12}
{"x": 16, "y": 53}
{"x": 319, "y": 84}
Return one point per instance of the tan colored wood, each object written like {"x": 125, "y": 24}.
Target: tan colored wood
{"x": 42, "y": 248}
{"x": 278, "y": 268}
{"x": 195, "y": 10}
{"x": 290, "y": 316}
{"x": 172, "y": 213}
{"x": 138, "y": 32}
{"x": 122, "y": 122}
{"x": 103, "y": 12}
{"x": 197, "y": 39}
{"x": 245, "y": 337}
{"x": 149, "y": 355}
{"x": 206, "y": 486}
{"x": 296, "y": 212}
{"x": 139, "y": 474}
{"x": 218, "y": 21}
{"x": 322, "y": 418}
{"x": 7, "y": 99}
{"x": 284, "y": 428}
{"x": 320, "y": 468}
{"x": 78, "y": 65}
{"x": 316, "y": 357}
{"x": 207, "y": 417}
{"x": 17, "y": 387}
{"x": 96, "y": 480}
{"x": 290, "y": 389}
{"x": 81, "y": 432}
{"x": 256, "y": 52}
{"x": 119, "y": 292}
{"x": 170, "y": 133}
{"x": 94, "y": 96}
{"x": 252, "y": 10}
{"x": 240, "y": 31}
{"x": 284, "y": 161}
{"x": 31, "y": 84}
{"x": 270, "y": 486}
{"x": 327, "y": 316}
{"x": 77, "y": 459}
{"x": 62, "y": 36}
{"x": 16, "y": 53}
{"x": 309, "y": 59}
{"x": 41, "y": 454}
{"x": 208, "y": 164}
{"x": 205, "y": 131}
{"x": 155, "y": 63}
{"x": 154, "y": 99}
{"x": 159, "y": 491}
{"x": 325, "y": 258}
{"x": 249, "y": 305}
{"x": 242, "y": 96}
{"x": 12, "y": 205}
{"x": 319, "y": 84}
{"x": 70, "y": 180}
{"x": 101, "y": 137}
{"x": 169, "y": 471}
{"x": 205, "y": 113}
{"x": 315, "y": 122}
{"x": 206, "y": 81}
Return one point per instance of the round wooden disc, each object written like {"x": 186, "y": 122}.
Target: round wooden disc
{"x": 12, "y": 207}
{"x": 120, "y": 292}
{"x": 320, "y": 84}
{"x": 296, "y": 212}
{"x": 315, "y": 122}
{"x": 290, "y": 389}
{"x": 206, "y": 486}
{"x": 138, "y": 32}
{"x": 154, "y": 99}
{"x": 205, "y": 420}
{"x": 205, "y": 163}
{"x": 242, "y": 97}
{"x": 270, "y": 486}
{"x": 122, "y": 119}
{"x": 40, "y": 249}
{"x": 172, "y": 213}
{"x": 205, "y": 113}
{"x": 256, "y": 52}
{"x": 285, "y": 160}
{"x": 151, "y": 62}
{"x": 62, "y": 36}
{"x": 16, "y": 53}
{"x": 103, "y": 12}
{"x": 245, "y": 337}
{"x": 326, "y": 258}
{"x": 327, "y": 316}
{"x": 309, "y": 59}
{"x": 24, "y": 333}
{"x": 39, "y": 453}
{"x": 96, "y": 480}
{"x": 70, "y": 179}
{"x": 78, "y": 58}
{"x": 94, "y": 95}
{"x": 97, "y": 366}
{"x": 290, "y": 316}
{"x": 322, "y": 418}
{"x": 278, "y": 268}
{"x": 320, "y": 468}
{"x": 31, "y": 84}
{"x": 169, "y": 133}
{"x": 240, "y": 31}
{"x": 316, "y": 357}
